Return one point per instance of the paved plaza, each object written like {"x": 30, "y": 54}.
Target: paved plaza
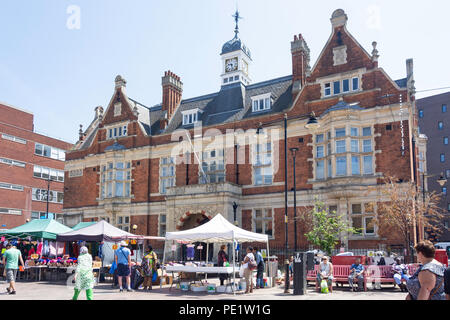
{"x": 104, "y": 291}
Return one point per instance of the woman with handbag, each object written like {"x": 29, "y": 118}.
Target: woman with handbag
{"x": 249, "y": 264}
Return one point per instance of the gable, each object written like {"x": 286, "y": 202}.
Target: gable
{"x": 119, "y": 109}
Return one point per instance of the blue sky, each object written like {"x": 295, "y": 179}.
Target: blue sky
{"x": 62, "y": 74}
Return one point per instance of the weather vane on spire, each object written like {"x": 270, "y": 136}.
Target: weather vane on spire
{"x": 236, "y": 17}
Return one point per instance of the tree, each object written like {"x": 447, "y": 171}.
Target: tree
{"x": 327, "y": 228}
{"x": 402, "y": 208}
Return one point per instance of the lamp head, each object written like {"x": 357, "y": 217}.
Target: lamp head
{"x": 312, "y": 124}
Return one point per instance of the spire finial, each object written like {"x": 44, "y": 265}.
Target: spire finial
{"x": 236, "y": 17}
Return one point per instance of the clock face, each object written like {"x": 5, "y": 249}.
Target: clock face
{"x": 231, "y": 64}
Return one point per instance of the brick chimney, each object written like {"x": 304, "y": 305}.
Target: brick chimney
{"x": 172, "y": 91}
{"x": 300, "y": 62}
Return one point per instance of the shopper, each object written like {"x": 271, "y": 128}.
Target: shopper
{"x": 428, "y": 281}
{"x": 122, "y": 257}
{"x": 222, "y": 258}
{"x": 325, "y": 273}
{"x": 356, "y": 273}
{"x": 400, "y": 272}
{"x": 149, "y": 267}
{"x": 84, "y": 278}
{"x": 11, "y": 259}
{"x": 260, "y": 269}
{"x": 249, "y": 264}
{"x": 447, "y": 283}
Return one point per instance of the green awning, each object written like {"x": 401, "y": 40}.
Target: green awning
{"x": 82, "y": 225}
{"x": 39, "y": 228}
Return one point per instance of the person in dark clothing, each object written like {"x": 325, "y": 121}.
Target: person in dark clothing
{"x": 260, "y": 268}
{"x": 221, "y": 260}
{"x": 447, "y": 283}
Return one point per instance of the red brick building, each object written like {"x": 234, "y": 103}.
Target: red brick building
{"x": 27, "y": 161}
{"x": 171, "y": 166}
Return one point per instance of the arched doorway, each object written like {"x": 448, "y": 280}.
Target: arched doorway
{"x": 190, "y": 222}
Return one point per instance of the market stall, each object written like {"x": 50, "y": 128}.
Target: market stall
{"x": 217, "y": 230}
{"x": 43, "y": 232}
{"x": 103, "y": 232}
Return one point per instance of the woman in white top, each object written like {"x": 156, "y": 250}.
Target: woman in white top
{"x": 248, "y": 271}
{"x": 325, "y": 272}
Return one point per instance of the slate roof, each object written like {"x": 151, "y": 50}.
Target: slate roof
{"x": 402, "y": 83}
{"x": 342, "y": 105}
{"x": 235, "y": 44}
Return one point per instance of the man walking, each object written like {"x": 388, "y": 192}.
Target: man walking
{"x": 122, "y": 257}
{"x": 12, "y": 257}
{"x": 260, "y": 269}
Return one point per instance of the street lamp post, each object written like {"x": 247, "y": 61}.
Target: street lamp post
{"x": 294, "y": 155}
{"x": 48, "y": 194}
{"x": 235, "y": 206}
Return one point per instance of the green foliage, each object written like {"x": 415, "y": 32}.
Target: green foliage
{"x": 327, "y": 228}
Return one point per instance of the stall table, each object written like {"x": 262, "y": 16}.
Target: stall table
{"x": 199, "y": 270}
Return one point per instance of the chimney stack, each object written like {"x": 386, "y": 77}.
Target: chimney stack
{"x": 172, "y": 91}
{"x": 410, "y": 77}
{"x": 300, "y": 62}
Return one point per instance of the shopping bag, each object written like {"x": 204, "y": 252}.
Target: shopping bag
{"x": 241, "y": 272}
{"x": 113, "y": 267}
{"x": 154, "y": 276}
{"x": 324, "y": 286}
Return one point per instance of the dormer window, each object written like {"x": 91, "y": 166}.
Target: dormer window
{"x": 190, "y": 116}
{"x": 262, "y": 102}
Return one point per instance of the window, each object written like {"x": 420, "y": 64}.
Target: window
{"x": 319, "y": 138}
{"x": 11, "y": 211}
{"x": 261, "y": 102}
{"x": 190, "y": 116}
{"x": 346, "y": 85}
{"x": 330, "y": 168}
{"x": 444, "y": 191}
{"x": 356, "y": 170}
{"x": 355, "y": 146}
{"x": 123, "y": 223}
{"x": 327, "y": 89}
{"x": 162, "y": 225}
{"x": 368, "y": 165}
{"x": 9, "y": 186}
{"x": 367, "y": 145}
{"x": 117, "y": 132}
{"x": 363, "y": 219}
{"x": 340, "y": 132}
{"x": 263, "y": 222}
{"x": 420, "y": 113}
{"x": 320, "y": 170}
{"x": 262, "y": 163}
{"x": 440, "y": 125}
{"x": 320, "y": 152}
{"x": 49, "y": 152}
{"x": 47, "y": 173}
{"x": 13, "y": 138}
{"x": 340, "y": 146}
{"x": 444, "y": 108}
{"x": 167, "y": 175}
{"x": 446, "y": 140}
{"x": 354, "y": 132}
{"x": 53, "y": 196}
{"x": 447, "y": 173}
{"x": 341, "y": 166}
{"x": 341, "y": 86}
{"x": 75, "y": 173}
{"x": 12, "y": 162}
{"x": 355, "y": 84}
{"x": 367, "y": 132}
{"x": 448, "y": 207}
{"x": 337, "y": 87}
{"x": 115, "y": 180}
{"x": 213, "y": 165}
{"x": 442, "y": 157}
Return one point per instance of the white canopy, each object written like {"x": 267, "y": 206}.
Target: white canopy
{"x": 217, "y": 229}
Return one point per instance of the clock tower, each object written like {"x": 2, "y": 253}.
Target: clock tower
{"x": 236, "y": 59}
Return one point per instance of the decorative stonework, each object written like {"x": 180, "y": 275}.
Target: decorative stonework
{"x": 340, "y": 55}
{"x": 117, "y": 109}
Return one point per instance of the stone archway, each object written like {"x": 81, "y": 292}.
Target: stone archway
{"x": 191, "y": 220}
